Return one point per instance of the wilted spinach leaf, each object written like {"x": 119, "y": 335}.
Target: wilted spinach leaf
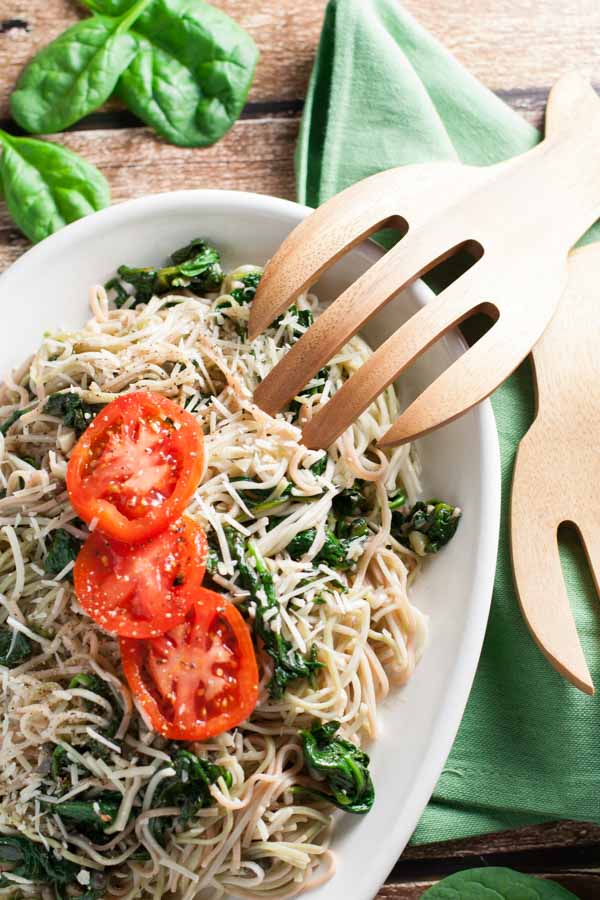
{"x": 195, "y": 267}
{"x": 342, "y": 765}
{"x": 188, "y": 789}
{"x": 74, "y": 411}
{"x": 26, "y": 859}
{"x": 15, "y": 647}
{"x": 62, "y": 549}
{"x": 47, "y": 186}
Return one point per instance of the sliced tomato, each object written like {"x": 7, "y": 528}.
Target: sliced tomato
{"x": 141, "y": 590}
{"x": 200, "y": 678}
{"x": 136, "y": 466}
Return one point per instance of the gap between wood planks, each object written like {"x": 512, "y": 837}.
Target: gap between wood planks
{"x": 529, "y": 102}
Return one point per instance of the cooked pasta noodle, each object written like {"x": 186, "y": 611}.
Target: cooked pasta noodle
{"x": 259, "y": 838}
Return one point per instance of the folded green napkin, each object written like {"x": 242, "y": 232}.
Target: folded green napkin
{"x": 384, "y": 93}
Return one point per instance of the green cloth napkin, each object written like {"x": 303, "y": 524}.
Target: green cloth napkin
{"x": 384, "y": 93}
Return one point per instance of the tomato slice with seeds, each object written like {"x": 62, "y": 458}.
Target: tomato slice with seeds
{"x": 142, "y": 590}
{"x": 136, "y": 466}
{"x": 200, "y": 678}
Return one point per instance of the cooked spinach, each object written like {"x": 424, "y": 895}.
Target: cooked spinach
{"x": 60, "y": 763}
{"x": 15, "y": 647}
{"x": 426, "y": 527}
{"x": 14, "y": 416}
{"x": 26, "y": 859}
{"x": 288, "y": 663}
{"x": 188, "y": 789}
{"x": 192, "y": 71}
{"x": 319, "y": 467}
{"x": 101, "y": 687}
{"x": 62, "y": 549}
{"x": 334, "y": 551}
{"x": 397, "y": 499}
{"x": 76, "y": 73}
{"x": 196, "y": 267}
{"x": 46, "y": 186}
{"x": 349, "y": 529}
{"x": 247, "y": 293}
{"x": 341, "y": 764}
{"x": 93, "y": 816}
{"x": 351, "y": 501}
{"x": 74, "y": 411}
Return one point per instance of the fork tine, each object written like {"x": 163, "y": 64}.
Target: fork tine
{"x": 538, "y": 573}
{"x": 469, "y": 380}
{"x": 390, "y": 359}
{"x": 342, "y": 223}
{"x": 419, "y": 251}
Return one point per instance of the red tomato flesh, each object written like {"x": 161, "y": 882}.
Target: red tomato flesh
{"x": 136, "y": 466}
{"x": 142, "y": 590}
{"x": 200, "y": 678}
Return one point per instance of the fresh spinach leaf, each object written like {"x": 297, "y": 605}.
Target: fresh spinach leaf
{"x": 341, "y": 764}
{"x": 192, "y": 72}
{"x": 74, "y": 411}
{"x": 62, "y": 549}
{"x": 76, "y": 73}
{"x": 47, "y": 186}
{"x": 496, "y": 882}
{"x": 26, "y": 859}
{"x": 15, "y": 647}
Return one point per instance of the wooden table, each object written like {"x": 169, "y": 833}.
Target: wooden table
{"x": 517, "y": 48}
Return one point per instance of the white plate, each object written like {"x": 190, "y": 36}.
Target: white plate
{"x": 48, "y": 287}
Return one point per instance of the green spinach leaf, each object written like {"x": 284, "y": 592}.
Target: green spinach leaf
{"x": 192, "y": 71}
{"x": 76, "y": 73}
{"x": 74, "y": 411}
{"x": 195, "y": 267}
{"x": 255, "y": 577}
{"x": 62, "y": 549}
{"x": 47, "y": 186}
{"x": 188, "y": 789}
{"x": 341, "y": 764}
{"x": 15, "y": 647}
{"x": 496, "y": 883}
{"x": 426, "y": 527}
{"x": 26, "y": 859}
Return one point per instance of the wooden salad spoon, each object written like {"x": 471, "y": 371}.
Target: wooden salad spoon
{"x": 557, "y": 470}
{"x": 524, "y": 215}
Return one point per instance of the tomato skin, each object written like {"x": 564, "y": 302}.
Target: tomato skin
{"x": 201, "y": 678}
{"x": 136, "y": 466}
{"x": 142, "y": 590}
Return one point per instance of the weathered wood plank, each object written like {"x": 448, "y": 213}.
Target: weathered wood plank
{"x": 509, "y": 44}
{"x": 254, "y": 156}
{"x": 533, "y": 838}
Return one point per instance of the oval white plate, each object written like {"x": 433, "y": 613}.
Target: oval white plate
{"x": 48, "y": 287}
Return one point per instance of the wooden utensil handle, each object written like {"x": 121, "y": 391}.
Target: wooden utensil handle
{"x": 568, "y": 159}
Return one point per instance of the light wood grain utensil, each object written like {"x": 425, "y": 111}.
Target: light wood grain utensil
{"x": 524, "y": 214}
{"x": 557, "y": 470}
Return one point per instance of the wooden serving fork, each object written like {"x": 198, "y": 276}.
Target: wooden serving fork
{"x": 557, "y": 470}
{"x": 525, "y": 214}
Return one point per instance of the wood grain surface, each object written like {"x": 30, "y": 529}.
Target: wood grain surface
{"x": 517, "y": 48}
